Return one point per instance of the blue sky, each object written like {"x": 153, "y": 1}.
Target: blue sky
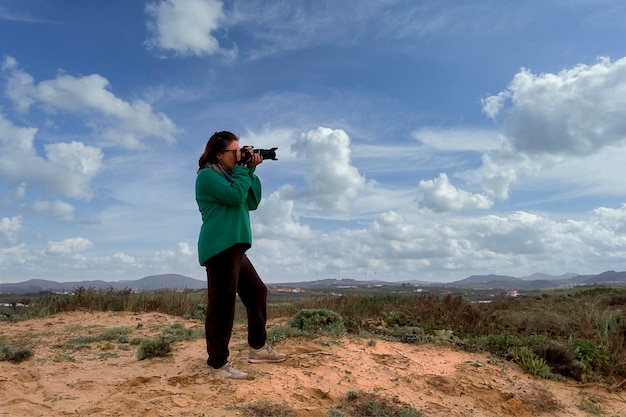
{"x": 426, "y": 140}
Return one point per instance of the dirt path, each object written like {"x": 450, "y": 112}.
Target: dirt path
{"x": 107, "y": 379}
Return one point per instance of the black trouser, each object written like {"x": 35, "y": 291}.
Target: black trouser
{"x": 229, "y": 273}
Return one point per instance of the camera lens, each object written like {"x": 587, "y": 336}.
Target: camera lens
{"x": 266, "y": 153}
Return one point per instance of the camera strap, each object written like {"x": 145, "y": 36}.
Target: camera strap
{"x": 222, "y": 171}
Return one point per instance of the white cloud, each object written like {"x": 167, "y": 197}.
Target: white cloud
{"x": 274, "y": 220}
{"x": 57, "y": 209}
{"x": 493, "y": 105}
{"x": 10, "y": 226}
{"x": 440, "y": 196}
{"x": 496, "y": 177}
{"x": 509, "y": 244}
{"x": 598, "y": 175}
{"x": 551, "y": 119}
{"x": 125, "y": 259}
{"x": 117, "y": 122}
{"x": 18, "y": 255}
{"x": 68, "y": 247}
{"x": 269, "y": 137}
{"x": 72, "y": 167}
{"x": 181, "y": 249}
{"x": 333, "y": 183}
{"x": 459, "y": 139}
{"x": 67, "y": 169}
{"x": 184, "y": 249}
{"x": 574, "y": 112}
{"x": 185, "y": 26}
{"x": 16, "y": 140}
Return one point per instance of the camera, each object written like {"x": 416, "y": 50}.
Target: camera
{"x": 247, "y": 151}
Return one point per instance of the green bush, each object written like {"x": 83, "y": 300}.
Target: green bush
{"x": 280, "y": 333}
{"x": 177, "y": 332}
{"x": 196, "y": 312}
{"x": 594, "y": 356}
{"x": 537, "y": 366}
{"x": 561, "y": 359}
{"x": 162, "y": 345}
{"x": 317, "y": 321}
{"x": 15, "y": 355}
{"x": 268, "y": 409}
{"x": 404, "y": 334}
{"x": 152, "y": 348}
{"x": 369, "y": 405}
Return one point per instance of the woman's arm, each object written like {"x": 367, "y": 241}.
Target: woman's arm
{"x": 212, "y": 185}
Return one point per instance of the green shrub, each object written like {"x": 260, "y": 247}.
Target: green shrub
{"x": 592, "y": 355}
{"x": 152, "y": 348}
{"x": 333, "y": 412}
{"x": 14, "y": 355}
{"x": 404, "y": 334}
{"x": 268, "y": 409}
{"x": 116, "y": 334}
{"x": 369, "y": 405}
{"x": 498, "y": 344}
{"x": 537, "y": 366}
{"x": 279, "y": 333}
{"x": 162, "y": 345}
{"x": 317, "y": 321}
{"x": 561, "y": 359}
{"x": 177, "y": 332}
{"x": 397, "y": 318}
{"x": 196, "y": 312}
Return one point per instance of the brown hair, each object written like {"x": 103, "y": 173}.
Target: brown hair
{"x": 216, "y": 144}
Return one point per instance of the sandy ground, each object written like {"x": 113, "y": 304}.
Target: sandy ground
{"x": 108, "y": 379}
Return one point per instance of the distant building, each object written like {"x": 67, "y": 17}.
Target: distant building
{"x": 286, "y": 290}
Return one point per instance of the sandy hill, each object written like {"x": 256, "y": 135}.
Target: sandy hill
{"x": 107, "y": 379}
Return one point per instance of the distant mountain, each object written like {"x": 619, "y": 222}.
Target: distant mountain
{"x": 539, "y": 276}
{"x": 491, "y": 282}
{"x": 538, "y": 281}
{"x": 166, "y": 281}
{"x": 608, "y": 277}
{"x": 149, "y": 283}
{"x": 174, "y": 281}
{"x": 482, "y": 279}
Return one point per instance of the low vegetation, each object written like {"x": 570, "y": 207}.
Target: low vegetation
{"x": 579, "y": 334}
{"x": 15, "y": 354}
{"x": 162, "y": 345}
{"x": 268, "y": 409}
{"x": 354, "y": 404}
{"x": 370, "y": 405}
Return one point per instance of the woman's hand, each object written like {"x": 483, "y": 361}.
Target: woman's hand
{"x": 249, "y": 158}
{"x": 256, "y": 160}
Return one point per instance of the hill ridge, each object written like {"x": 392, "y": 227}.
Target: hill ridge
{"x": 181, "y": 282}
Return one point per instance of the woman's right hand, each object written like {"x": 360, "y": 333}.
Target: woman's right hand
{"x": 256, "y": 160}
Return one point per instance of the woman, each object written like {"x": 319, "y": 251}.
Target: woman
{"x": 226, "y": 189}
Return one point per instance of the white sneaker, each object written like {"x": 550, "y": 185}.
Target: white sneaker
{"x": 228, "y": 371}
{"x": 265, "y": 354}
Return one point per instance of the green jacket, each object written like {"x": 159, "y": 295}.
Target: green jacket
{"x": 224, "y": 204}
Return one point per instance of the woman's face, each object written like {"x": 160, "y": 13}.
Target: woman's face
{"x": 228, "y": 158}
